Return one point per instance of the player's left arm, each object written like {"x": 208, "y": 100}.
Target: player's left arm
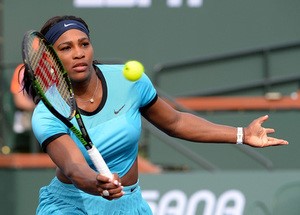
{"x": 194, "y": 128}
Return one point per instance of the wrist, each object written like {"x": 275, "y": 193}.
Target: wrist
{"x": 240, "y": 135}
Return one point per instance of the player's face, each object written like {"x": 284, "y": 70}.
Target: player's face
{"x": 76, "y": 53}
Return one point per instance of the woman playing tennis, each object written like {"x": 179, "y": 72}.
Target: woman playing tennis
{"x": 111, "y": 108}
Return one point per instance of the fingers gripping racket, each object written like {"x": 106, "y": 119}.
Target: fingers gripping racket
{"x": 51, "y": 82}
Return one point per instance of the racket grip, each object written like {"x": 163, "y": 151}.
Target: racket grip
{"x": 99, "y": 162}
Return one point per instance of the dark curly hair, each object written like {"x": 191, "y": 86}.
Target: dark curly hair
{"x": 27, "y": 79}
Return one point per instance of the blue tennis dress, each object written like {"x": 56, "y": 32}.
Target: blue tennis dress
{"x": 115, "y": 129}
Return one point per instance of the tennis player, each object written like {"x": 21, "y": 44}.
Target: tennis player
{"x": 112, "y": 108}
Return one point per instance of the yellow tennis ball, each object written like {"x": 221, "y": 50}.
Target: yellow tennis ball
{"x": 133, "y": 70}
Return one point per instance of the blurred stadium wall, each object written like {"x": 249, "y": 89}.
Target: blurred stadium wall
{"x": 224, "y": 179}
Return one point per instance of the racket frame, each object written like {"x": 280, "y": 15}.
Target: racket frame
{"x": 80, "y": 133}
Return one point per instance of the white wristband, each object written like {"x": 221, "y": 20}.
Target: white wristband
{"x": 239, "y": 135}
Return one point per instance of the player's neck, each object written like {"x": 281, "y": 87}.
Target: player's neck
{"x": 90, "y": 94}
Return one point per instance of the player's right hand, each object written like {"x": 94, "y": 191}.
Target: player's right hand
{"x": 109, "y": 188}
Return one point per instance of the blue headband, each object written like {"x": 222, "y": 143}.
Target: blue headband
{"x": 61, "y": 27}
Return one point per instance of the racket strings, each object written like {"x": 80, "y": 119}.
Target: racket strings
{"x": 50, "y": 76}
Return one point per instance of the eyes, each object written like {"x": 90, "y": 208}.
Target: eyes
{"x": 68, "y": 46}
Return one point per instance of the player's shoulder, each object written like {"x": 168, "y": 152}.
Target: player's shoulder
{"x": 40, "y": 108}
{"x": 110, "y": 67}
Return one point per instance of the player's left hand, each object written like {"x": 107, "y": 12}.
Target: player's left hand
{"x": 257, "y": 136}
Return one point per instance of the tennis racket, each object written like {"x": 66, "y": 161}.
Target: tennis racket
{"x": 52, "y": 84}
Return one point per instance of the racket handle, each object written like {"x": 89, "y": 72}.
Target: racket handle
{"x": 99, "y": 162}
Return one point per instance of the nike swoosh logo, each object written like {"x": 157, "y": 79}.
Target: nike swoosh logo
{"x": 117, "y": 111}
{"x": 67, "y": 25}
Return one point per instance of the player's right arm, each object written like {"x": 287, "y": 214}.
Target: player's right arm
{"x": 73, "y": 168}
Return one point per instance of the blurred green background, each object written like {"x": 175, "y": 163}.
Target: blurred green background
{"x": 159, "y": 35}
